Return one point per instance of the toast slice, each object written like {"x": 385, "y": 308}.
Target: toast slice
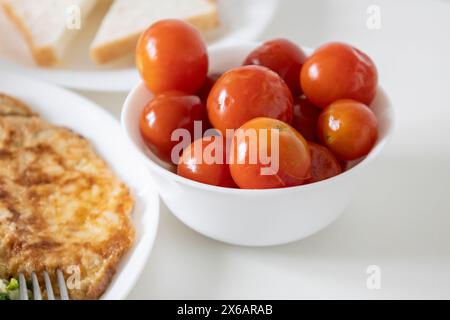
{"x": 44, "y": 25}
{"x": 126, "y": 20}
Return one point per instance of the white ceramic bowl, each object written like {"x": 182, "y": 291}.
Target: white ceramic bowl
{"x": 251, "y": 217}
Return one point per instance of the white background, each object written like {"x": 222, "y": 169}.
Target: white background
{"x": 400, "y": 220}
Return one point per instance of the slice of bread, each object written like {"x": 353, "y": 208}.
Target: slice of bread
{"x": 126, "y": 20}
{"x": 44, "y": 25}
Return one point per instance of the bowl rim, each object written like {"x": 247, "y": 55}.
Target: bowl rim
{"x": 374, "y": 153}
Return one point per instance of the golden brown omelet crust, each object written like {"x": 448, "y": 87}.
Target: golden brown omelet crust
{"x": 10, "y": 106}
{"x": 60, "y": 204}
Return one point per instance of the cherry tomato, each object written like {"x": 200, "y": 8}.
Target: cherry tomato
{"x": 338, "y": 71}
{"x": 305, "y": 118}
{"x": 171, "y": 55}
{"x": 324, "y": 163}
{"x": 348, "y": 128}
{"x": 205, "y": 90}
{"x": 205, "y": 161}
{"x": 246, "y": 93}
{"x": 282, "y": 56}
{"x": 268, "y": 153}
{"x": 166, "y": 113}
{"x": 344, "y": 165}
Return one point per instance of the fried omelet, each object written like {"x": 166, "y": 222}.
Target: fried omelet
{"x": 61, "y": 207}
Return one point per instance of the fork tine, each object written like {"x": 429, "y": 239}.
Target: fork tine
{"x": 36, "y": 289}
{"x": 23, "y": 292}
{"x": 48, "y": 286}
{"x": 62, "y": 285}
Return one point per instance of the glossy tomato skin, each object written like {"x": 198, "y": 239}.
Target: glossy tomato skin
{"x": 282, "y": 56}
{"x": 324, "y": 164}
{"x": 246, "y": 93}
{"x": 338, "y": 71}
{"x": 166, "y": 113}
{"x": 294, "y": 160}
{"x": 348, "y": 128}
{"x": 305, "y": 119}
{"x": 194, "y": 165}
{"x": 171, "y": 55}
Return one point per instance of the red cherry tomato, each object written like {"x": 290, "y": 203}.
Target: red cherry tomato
{"x": 166, "y": 113}
{"x": 305, "y": 118}
{"x": 282, "y": 56}
{"x": 348, "y": 128}
{"x": 344, "y": 165}
{"x": 248, "y": 92}
{"x": 205, "y": 161}
{"x": 204, "y": 94}
{"x": 204, "y": 91}
{"x": 251, "y": 169}
{"x": 338, "y": 71}
{"x": 171, "y": 55}
{"x": 324, "y": 163}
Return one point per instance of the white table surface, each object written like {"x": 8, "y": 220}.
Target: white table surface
{"x": 400, "y": 219}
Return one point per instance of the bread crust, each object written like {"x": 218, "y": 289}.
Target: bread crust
{"x": 43, "y": 56}
{"x": 111, "y": 51}
{"x": 108, "y": 52}
{"x": 205, "y": 22}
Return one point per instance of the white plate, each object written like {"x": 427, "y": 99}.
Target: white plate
{"x": 62, "y": 107}
{"x": 241, "y": 20}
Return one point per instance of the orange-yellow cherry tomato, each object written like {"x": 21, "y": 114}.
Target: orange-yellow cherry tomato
{"x": 257, "y": 161}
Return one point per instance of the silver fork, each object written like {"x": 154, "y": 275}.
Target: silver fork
{"x": 23, "y": 291}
